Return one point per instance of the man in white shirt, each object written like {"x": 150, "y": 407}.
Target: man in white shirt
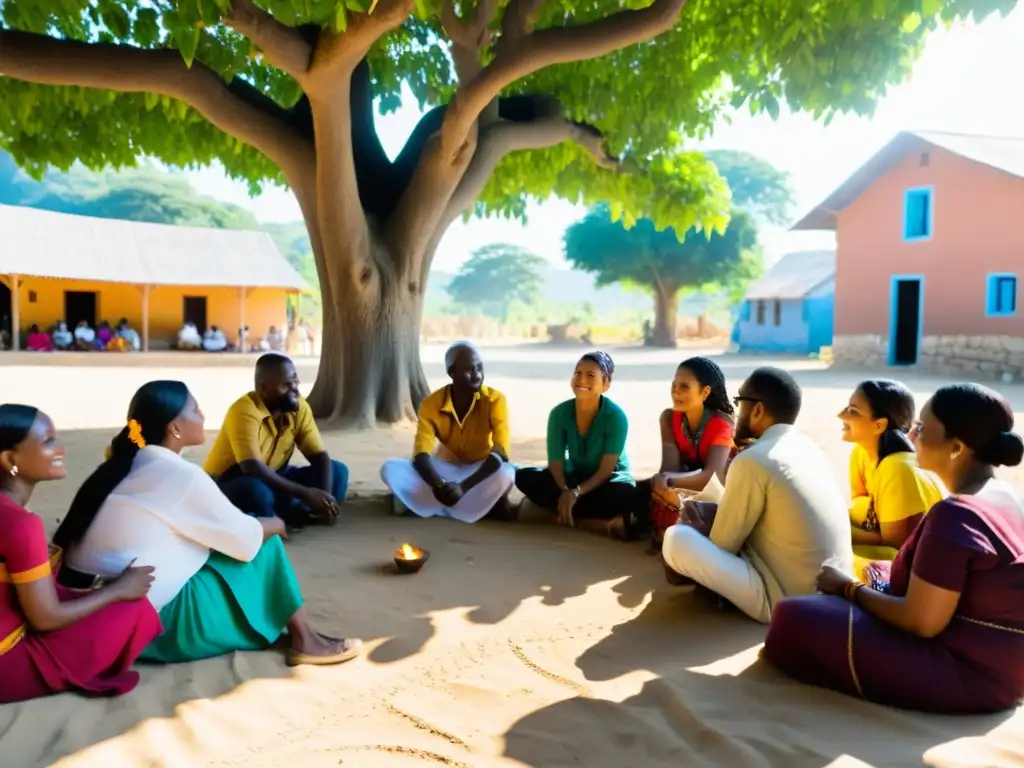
{"x": 215, "y": 340}
{"x": 782, "y": 515}
{"x": 188, "y": 337}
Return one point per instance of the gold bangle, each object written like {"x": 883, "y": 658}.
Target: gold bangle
{"x": 853, "y": 592}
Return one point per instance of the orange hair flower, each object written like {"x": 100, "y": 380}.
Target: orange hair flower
{"x": 135, "y": 433}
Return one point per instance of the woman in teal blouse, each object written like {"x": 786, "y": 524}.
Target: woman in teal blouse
{"x": 587, "y": 481}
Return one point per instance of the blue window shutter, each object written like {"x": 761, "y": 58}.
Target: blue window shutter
{"x": 1006, "y": 295}
{"x": 917, "y": 214}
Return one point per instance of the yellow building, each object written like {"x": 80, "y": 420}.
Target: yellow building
{"x": 55, "y": 266}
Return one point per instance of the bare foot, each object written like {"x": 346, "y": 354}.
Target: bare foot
{"x": 322, "y": 646}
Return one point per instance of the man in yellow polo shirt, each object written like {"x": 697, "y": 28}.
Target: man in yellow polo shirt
{"x": 460, "y": 465}
{"x": 250, "y": 457}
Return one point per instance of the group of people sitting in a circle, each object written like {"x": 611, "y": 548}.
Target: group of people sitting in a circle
{"x": 909, "y": 595}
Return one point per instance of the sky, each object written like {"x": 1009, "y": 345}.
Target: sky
{"x": 962, "y": 83}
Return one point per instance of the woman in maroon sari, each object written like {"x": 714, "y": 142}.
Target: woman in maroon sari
{"x": 941, "y": 628}
{"x": 53, "y": 639}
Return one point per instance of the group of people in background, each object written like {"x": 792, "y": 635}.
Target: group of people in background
{"x": 911, "y": 593}
{"x": 83, "y": 338}
{"x": 299, "y": 339}
{"x": 907, "y": 594}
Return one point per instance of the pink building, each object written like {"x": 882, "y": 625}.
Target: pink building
{"x": 930, "y": 254}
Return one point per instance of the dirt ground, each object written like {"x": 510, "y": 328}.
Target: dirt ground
{"x": 518, "y": 645}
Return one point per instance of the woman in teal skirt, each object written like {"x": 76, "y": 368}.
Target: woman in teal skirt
{"x": 222, "y": 579}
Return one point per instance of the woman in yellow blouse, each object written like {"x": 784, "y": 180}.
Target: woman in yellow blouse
{"x": 890, "y": 492}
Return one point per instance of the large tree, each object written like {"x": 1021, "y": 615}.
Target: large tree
{"x": 495, "y": 276}
{"x": 659, "y": 261}
{"x": 283, "y": 90}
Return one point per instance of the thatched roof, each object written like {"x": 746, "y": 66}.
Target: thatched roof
{"x": 44, "y": 244}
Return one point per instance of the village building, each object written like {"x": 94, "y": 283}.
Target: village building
{"x": 789, "y": 310}
{"x": 930, "y": 254}
{"x": 56, "y": 266}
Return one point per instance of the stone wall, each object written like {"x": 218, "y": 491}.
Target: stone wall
{"x": 978, "y": 357}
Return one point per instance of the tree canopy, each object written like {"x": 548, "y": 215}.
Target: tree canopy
{"x": 645, "y": 257}
{"x": 643, "y": 101}
{"x": 659, "y": 262}
{"x": 757, "y": 186}
{"x": 495, "y": 276}
{"x": 592, "y": 101}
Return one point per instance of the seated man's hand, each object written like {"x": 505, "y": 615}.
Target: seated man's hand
{"x": 448, "y": 494}
{"x": 699, "y": 515}
{"x": 322, "y": 504}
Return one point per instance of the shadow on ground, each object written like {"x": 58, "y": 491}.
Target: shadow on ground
{"x": 757, "y": 718}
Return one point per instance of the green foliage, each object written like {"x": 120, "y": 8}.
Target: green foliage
{"x": 648, "y": 99}
{"x": 495, "y": 276}
{"x": 657, "y": 260}
{"x": 756, "y": 185}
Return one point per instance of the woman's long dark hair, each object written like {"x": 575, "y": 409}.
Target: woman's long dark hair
{"x": 154, "y": 407}
{"x": 707, "y": 372}
{"x": 15, "y": 423}
{"x": 981, "y": 419}
{"x": 892, "y": 401}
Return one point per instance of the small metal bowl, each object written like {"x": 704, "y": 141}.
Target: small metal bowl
{"x": 405, "y": 565}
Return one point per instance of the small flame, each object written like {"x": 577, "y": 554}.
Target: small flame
{"x": 408, "y": 553}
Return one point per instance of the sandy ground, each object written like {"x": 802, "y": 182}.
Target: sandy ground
{"x": 519, "y": 644}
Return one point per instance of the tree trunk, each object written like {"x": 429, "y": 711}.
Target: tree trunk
{"x": 666, "y": 311}
{"x": 370, "y": 369}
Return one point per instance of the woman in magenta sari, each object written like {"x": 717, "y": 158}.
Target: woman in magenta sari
{"x": 941, "y": 628}
{"x": 53, "y": 639}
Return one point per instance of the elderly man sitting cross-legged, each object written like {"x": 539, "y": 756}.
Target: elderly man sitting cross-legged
{"x": 468, "y": 476}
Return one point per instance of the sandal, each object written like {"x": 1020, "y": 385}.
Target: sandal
{"x": 350, "y": 649}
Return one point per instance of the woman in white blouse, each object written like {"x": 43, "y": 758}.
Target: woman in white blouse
{"x": 222, "y": 579}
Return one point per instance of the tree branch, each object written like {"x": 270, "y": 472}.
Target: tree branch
{"x": 500, "y": 139}
{"x": 341, "y": 53}
{"x": 547, "y": 47}
{"x": 282, "y": 46}
{"x": 48, "y": 61}
{"x": 469, "y": 36}
{"x": 517, "y": 22}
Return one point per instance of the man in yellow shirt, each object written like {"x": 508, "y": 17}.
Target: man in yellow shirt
{"x": 250, "y": 457}
{"x": 460, "y": 465}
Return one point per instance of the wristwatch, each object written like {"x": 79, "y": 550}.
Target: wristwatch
{"x": 575, "y": 491}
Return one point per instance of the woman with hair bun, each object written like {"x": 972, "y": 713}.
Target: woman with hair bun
{"x": 587, "y": 481}
{"x": 891, "y": 493}
{"x": 946, "y": 633}
{"x": 52, "y": 639}
{"x": 223, "y": 580}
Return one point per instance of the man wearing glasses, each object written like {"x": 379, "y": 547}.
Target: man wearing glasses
{"x": 782, "y": 515}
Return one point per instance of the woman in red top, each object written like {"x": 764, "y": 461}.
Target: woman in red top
{"x": 696, "y": 437}
{"x": 53, "y": 639}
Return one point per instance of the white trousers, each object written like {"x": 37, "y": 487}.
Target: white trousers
{"x": 733, "y": 577}
{"x": 400, "y": 476}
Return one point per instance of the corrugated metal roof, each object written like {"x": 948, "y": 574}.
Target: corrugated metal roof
{"x": 1003, "y": 153}
{"x": 794, "y": 276}
{"x": 46, "y": 244}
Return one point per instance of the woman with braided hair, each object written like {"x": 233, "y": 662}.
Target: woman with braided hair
{"x": 696, "y": 442}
